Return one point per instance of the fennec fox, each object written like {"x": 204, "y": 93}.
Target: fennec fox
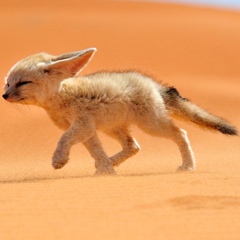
{"x": 107, "y": 101}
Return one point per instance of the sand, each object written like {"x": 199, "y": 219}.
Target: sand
{"x": 196, "y": 50}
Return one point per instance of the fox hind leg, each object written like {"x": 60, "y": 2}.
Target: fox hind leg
{"x": 164, "y": 127}
{"x": 188, "y": 159}
{"x": 129, "y": 145}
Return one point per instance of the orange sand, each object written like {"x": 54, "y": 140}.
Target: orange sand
{"x": 195, "y": 49}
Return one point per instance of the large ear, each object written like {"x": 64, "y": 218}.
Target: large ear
{"x": 71, "y": 63}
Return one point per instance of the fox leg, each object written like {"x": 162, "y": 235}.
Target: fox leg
{"x": 164, "y": 127}
{"x": 80, "y": 131}
{"x": 102, "y": 162}
{"x": 188, "y": 159}
{"x": 61, "y": 154}
{"x": 129, "y": 145}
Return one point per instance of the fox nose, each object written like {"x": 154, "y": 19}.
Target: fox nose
{"x": 5, "y": 96}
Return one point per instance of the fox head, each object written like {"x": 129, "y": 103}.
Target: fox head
{"x": 37, "y": 78}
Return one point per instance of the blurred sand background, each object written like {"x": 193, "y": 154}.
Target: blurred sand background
{"x": 195, "y": 49}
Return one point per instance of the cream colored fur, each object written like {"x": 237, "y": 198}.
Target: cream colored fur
{"x": 106, "y": 101}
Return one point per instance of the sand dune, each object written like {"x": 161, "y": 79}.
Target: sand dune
{"x": 196, "y": 50}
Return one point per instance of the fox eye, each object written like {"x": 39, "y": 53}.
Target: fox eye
{"x": 22, "y": 83}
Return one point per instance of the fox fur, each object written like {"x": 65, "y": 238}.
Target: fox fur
{"x": 106, "y": 101}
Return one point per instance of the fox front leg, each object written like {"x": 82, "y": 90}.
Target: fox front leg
{"x": 80, "y": 131}
{"x": 103, "y": 164}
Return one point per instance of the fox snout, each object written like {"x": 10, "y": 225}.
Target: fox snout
{"x": 11, "y": 95}
{"x": 5, "y": 96}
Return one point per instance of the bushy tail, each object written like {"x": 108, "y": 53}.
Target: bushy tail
{"x": 183, "y": 109}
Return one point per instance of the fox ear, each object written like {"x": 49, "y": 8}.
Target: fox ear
{"x": 71, "y": 63}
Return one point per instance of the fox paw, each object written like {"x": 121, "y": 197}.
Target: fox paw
{"x": 59, "y": 159}
{"x": 105, "y": 171}
{"x": 59, "y": 164}
{"x": 186, "y": 168}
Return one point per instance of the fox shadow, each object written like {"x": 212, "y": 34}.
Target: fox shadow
{"x": 37, "y": 179}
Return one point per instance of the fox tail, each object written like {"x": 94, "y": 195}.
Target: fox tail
{"x": 183, "y": 109}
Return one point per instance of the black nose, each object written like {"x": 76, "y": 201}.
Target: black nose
{"x": 5, "y": 96}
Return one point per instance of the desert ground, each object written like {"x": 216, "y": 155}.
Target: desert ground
{"x": 195, "y": 49}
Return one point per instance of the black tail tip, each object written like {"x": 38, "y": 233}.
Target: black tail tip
{"x": 228, "y": 130}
